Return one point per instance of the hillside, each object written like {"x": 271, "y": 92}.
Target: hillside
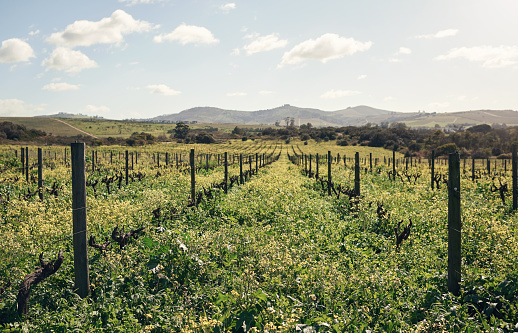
{"x": 352, "y": 116}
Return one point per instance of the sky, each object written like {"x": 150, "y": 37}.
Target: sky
{"x": 127, "y": 59}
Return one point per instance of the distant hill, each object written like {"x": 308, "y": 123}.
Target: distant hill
{"x": 68, "y": 115}
{"x": 352, "y": 116}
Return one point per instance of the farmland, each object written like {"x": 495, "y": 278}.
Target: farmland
{"x": 276, "y": 253}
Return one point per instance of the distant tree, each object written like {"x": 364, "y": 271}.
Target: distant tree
{"x": 181, "y": 130}
{"x": 204, "y": 138}
{"x": 238, "y": 131}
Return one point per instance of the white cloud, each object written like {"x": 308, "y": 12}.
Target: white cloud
{"x": 339, "y": 93}
{"x": 108, "y": 30}
{"x": 361, "y": 77}
{"x": 18, "y": 108}
{"x": 34, "y": 33}
{"x": 324, "y": 48}
{"x": 62, "y": 86}
{"x": 236, "y": 94}
{"x": 70, "y": 61}
{"x": 439, "y": 34}
{"x": 95, "y": 110}
{"x": 15, "y": 50}
{"x": 404, "y": 50}
{"x": 185, "y": 34}
{"x": 136, "y": 2}
{"x": 235, "y": 52}
{"x": 228, "y": 6}
{"x": 162, "y": 89}
{"x": 265, "y": 43}
{"x": 489, "y": 56}
{"x": 265, "y": 92}
{"x": 461, "y": 98}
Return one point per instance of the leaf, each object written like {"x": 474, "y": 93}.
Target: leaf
{"x": 261, "y": 295}
{"x": 222, "y": 298}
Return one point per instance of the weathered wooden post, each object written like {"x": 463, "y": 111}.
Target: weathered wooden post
{"x": 127, "y": 167}
{"x": 22, "y": 157}
{"x": 310, "y": 158}
{"x": 433, "y": 168}
{"x": 329, "y": 159}
{"x": 454, "y": 225}
{"x": 158, "y": 160}
{"x": 193, "y": 176}
{"x": 370, "y": 160}
{"x": 241, "y": 180}
{"x": 256, "y": 163}
{"x": 357, "y": 174}
{"x": 515, "y": 178}
{"x": 394, "y": 164}
{"x": 40, "y": 174}
{"x": 317, "y": 162}
{"x": 488, "y": 162}
{"x": 82, "y": 280}
{"x": 473, "y": 169}
{"x": 27, "y": 164}
{"x": 226, "y": 173}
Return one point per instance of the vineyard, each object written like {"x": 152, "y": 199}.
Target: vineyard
{"x": 254, "y": 236}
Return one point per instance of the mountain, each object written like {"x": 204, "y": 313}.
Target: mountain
{"x": 351, "y": 116}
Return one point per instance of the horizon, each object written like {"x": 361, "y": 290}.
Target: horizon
{"x": 124, "y": 59}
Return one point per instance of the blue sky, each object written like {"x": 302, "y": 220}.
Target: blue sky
{"x": 123, "y": 59}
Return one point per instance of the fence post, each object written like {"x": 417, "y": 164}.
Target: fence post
{"x": 310, "y": 158}
{"x": 329, "y": 159}
{"x": 241, "y": 181}
{"x": 193, "y": 176}
{"x": 357, "y": 174}
{"x": 27, "y": 164}
{"x": 317, "y": 162}
{"x": 433, "y": 168}
{"x": 82, "y": 280}
{"x": 473, "y": 169}
{"x": 40, "y": 174}
{"x": 394, "y": 164}
{"x": 226, "y": 172}
{"x": 454, "y": 224}
{"x": 127, "y": 167}
{"x": 22, "y": 155}
{"x": 515, "y": 176}
{"x": 370, "y": 160}
{"x": 256, "y": 163}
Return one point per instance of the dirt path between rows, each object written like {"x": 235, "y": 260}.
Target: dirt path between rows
{"x": 77, "y": 129}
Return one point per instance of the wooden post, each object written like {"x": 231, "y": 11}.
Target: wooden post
{"x": 256, "y": 163}
{"x": 473, "y": 169}
{"x": 27, "y": 164}
{"x": 310, "y": 158}
{"x": 193, "y": 176}
{"x": 433, "y": 168}
{"x": 488, "y": 163}
{"x": 82, "y": 280}
{"x": 317, "y": 162}
{"x": 394, "y": 164}
{"x": 370, "y": 160}
{"x": 515, "y": 178}
{"x": 241, "y": 180}
{"x": 127, "y": 167}
{"x": 158, "y": 160}
{"x": 226, "y": 173}
{"x": 329, "y": 159}
{"x": 357, "y": 174}
{"x": 40, "y": 174}
{"x": 454, "y": 225}
{"x": 22, "y": 156}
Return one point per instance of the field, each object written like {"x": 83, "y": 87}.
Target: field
{"x": 274, "y": 254}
